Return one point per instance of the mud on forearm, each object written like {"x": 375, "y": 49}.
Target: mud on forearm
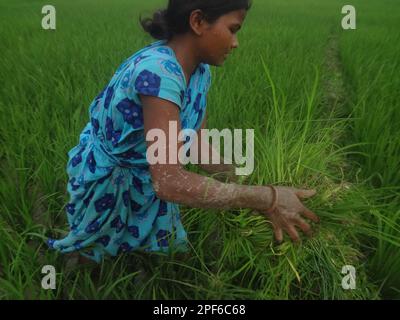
{"x": 197, "y": 191}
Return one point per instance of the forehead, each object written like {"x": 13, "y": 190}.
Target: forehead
{"x": 232, "y": 17}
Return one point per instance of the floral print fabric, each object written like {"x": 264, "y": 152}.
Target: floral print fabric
{"x": 113, "y": 208}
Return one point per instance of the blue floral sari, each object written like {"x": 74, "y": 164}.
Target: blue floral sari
{"x": 113, "y": 208}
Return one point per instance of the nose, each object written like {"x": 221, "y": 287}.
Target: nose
{"x": 235, "y": 43}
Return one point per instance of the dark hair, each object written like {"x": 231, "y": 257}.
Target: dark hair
{"x": 175, "y": 18}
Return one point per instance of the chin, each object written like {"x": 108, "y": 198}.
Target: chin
{"x": 217, "y": 63}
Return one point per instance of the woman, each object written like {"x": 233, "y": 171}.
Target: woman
{"x": 119, "y": 201}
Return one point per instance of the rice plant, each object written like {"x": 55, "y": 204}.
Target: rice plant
{"x": 292, "y": 59}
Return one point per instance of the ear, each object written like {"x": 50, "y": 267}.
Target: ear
{"x": 197, "y": 21}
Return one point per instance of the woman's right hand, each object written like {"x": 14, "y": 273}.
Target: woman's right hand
{"x": 289, "y": 211}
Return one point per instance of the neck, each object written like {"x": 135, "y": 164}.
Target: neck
{"x": 185, "y": 54}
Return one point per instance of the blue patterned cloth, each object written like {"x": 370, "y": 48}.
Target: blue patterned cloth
{"x": 113, "y": 207}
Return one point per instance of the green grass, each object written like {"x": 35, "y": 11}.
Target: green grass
{"x": 280, "y": 82}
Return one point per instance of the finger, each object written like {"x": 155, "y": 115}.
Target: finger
{"x": 304, "y": 226}
{"x": 291, "y": 231}
{"x": 304, "y": 194}
{"x": 310, "y": 215}
{"x": 278, "y": 234}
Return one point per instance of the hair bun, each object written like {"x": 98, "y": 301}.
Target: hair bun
{"x": 157, "y": 26}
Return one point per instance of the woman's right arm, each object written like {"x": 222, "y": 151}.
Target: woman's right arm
{"x": 173, "y": 183}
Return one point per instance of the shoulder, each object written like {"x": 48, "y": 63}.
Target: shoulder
{"x": 155, "y": 73}
{"x": 158, "y": 65}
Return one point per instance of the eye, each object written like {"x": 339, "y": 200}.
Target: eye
{"x": 234, "y": 29}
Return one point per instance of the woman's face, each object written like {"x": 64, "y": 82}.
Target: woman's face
{"x": 220, "y": 37}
